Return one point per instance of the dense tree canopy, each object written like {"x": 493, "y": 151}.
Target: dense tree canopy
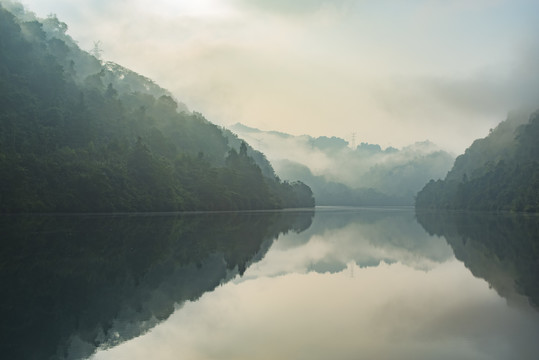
{"x": 81, "y": 135}
{"x": 500, "y": 172}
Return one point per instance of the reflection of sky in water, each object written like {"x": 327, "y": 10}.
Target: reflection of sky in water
{"x": 353, "y": 286}
{"x": 336, "y": 239}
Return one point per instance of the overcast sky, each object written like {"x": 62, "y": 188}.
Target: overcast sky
{"x": 393, "y": 72}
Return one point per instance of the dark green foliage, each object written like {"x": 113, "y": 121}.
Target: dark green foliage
{"x": 295, "y": 194}
{"x": 249, "y": 186}
{"x": 506, "y": 178}
{"x": 260, "y": 159}
{"x": 77, "y": 135}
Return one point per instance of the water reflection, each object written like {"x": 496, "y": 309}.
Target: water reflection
{"x": 502, "y": 248}
{"x": 365, "y": 237}
{"x": 70, "y": 284}
{"x": 358, "y": 284}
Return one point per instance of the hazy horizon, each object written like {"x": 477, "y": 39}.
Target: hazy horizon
{"x": 388, "y": 72}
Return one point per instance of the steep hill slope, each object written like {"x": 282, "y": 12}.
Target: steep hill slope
{"x": 499, "y": 172}
{"x": 81, "y": 135}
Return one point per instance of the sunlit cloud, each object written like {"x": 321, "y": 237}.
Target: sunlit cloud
{"x": 199, "y": 8}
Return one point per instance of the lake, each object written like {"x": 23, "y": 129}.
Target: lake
{"x": 334, "y": 283}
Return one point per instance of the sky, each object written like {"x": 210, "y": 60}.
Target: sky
{"x": 390, "y": 72}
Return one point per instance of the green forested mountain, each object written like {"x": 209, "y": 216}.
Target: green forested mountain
{"x": 499, "y": 172}
{"x": 81, "y": 135}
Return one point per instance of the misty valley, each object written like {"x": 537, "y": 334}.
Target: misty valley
{"x": 133, "y": 227}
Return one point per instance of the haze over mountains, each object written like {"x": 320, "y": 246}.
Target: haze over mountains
{"x": 395, "y": 72}
{"x": 342, "y": 175}
{"x": 81, "y": 134}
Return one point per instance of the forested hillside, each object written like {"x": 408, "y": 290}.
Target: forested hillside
{"x": 81, "y": 135}
{"x": 499, "y": 172}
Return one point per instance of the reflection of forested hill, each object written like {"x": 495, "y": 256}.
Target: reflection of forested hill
{"x": 370, "y": 236}
{"x": 81, "y": 135}
{"x": 70, "y": 284}
{"x": 503, "y": 249}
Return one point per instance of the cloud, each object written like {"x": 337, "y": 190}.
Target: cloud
{"x": 291, "y": 7}
{"x": 394, "y": 73}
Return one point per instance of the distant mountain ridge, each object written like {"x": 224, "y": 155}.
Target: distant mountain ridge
{"x": 241, "y": 128}
{"x": 340, "y": 175}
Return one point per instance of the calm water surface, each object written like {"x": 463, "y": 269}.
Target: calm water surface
{"x": 340, "y": 283}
